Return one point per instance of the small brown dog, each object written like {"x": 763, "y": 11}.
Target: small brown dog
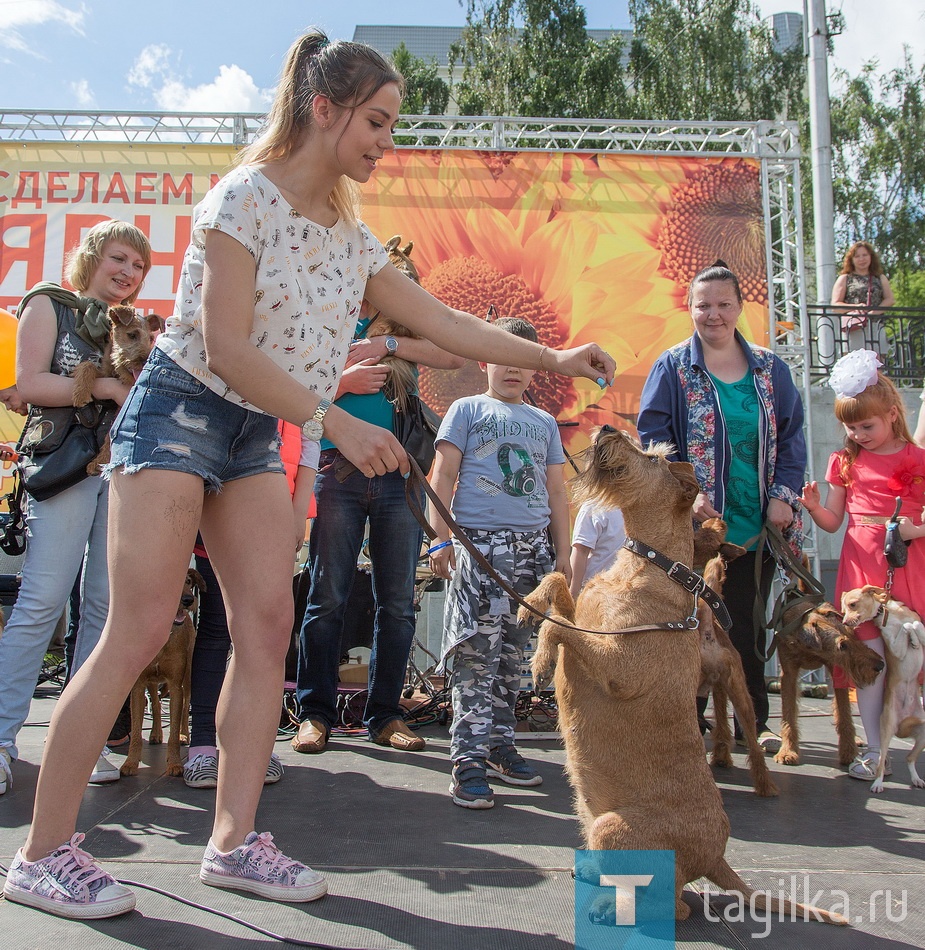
{"x": 402, "y": 377}
{"x": 808, "y": 641}
{"x": 904, "y": 638}
{"x": 130, "y": 343}
{"x": 172, "y": 667}
{"x": 634, "y": 753}
{"x": 721, "y": 671}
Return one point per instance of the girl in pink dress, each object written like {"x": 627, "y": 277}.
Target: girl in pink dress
{"x": 879, "y": 464}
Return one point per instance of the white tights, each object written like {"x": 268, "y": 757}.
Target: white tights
{"x": 870, "y": 702}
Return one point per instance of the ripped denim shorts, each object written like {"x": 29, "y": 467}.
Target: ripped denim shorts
{"x": 173, "y": 421}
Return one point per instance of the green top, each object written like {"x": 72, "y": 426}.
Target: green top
{"x": 738, "y": 403}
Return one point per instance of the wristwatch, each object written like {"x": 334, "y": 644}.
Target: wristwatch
{"x": 391, "y": 345}
{"x": 313, "y": 429}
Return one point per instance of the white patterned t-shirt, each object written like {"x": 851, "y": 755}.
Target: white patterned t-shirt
{"x": 310, "y": 282}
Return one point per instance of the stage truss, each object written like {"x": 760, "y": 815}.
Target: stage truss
{"x": 773, "y": 145}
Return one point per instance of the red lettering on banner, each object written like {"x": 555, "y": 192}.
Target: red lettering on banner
{"x": 174, "y": 258}
{"x": 55, "y": 185}
{"x": 75, "y": 225}
{"x": 117, "y": 190}
{"x": 27, "y": 180}
{"x": 82, "y": 179}
{"x": 34, "y": 251}
{"x": 143, "y": 186}
{"x": 3, "y": 174}
{"x": 214, "y": 180}
{"x": 184, "y": 190}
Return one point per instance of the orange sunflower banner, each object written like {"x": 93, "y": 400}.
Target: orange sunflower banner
{"x": 585, "y": 246}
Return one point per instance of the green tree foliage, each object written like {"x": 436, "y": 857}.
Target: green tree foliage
{"x": 425, "y": 92}
{"x": 878, "y": 163}
{"x": 534, "y": 58}
{"x": 709, "y": 60}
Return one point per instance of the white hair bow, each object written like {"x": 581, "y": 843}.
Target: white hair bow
{"x": 854, "y": 372}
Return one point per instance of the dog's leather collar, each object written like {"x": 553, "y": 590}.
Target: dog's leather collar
{"x": 682, "y": 575}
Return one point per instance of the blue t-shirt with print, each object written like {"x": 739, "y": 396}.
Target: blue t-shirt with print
{"x": 502, "y": 476}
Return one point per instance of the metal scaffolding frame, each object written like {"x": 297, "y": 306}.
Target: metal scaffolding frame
{"x": 774, "y": 145}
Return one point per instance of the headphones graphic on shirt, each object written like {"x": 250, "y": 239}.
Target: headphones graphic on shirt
{"x": 521, "y": 481}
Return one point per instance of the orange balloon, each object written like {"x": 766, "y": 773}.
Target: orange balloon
{"x": 8, "y": 326}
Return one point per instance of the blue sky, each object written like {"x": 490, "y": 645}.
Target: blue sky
{"x": 225, "y": 55}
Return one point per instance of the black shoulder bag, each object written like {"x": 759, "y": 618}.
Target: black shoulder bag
{"x": 59, "y": 442}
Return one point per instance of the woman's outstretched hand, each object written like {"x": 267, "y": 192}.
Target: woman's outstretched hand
{"x": 588, "y": 360}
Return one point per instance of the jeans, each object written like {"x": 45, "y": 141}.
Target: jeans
{"x": 63, "y": 531}
{"x": 334, "y": 545}
{"x": 210, "y": 658}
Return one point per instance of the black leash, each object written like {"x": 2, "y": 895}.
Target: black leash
{"x": 793, "y": 599}
{"x": 416, "y": 478}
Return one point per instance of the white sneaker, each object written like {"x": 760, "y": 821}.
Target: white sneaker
{"x": 104, "y": 771}
{"x": 6, "y": 774}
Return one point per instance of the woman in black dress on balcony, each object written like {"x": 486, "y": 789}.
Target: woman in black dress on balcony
{"x": 862, "y": 284}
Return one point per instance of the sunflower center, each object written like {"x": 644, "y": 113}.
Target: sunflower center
{"x": 472, "y": 284}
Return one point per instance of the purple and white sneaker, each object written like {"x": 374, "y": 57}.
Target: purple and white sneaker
{"x": 68, "y": 883}
{"x": 260, "y": 867}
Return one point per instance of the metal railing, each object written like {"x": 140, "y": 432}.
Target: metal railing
{"x": 896, "y": 333}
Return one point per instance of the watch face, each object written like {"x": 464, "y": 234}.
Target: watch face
{"x": 391, "y": 344}
{"x": 313, "y": 430}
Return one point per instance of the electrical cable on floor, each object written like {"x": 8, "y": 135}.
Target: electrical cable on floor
{"x": 295, "y": 941}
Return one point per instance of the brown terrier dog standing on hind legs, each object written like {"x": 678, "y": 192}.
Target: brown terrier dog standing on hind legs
{"x": 721, "y": 671}
{"x": 171, "y": 666}
{"x": 130, "y": 341}
{"x": 634, "y": 753}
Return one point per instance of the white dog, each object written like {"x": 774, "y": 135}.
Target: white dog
{"x": 904, "y": 639}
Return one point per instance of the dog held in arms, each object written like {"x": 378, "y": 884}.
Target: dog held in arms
{"x": 171, "y": 666}
{"x": 811, "y": 636}
{"x": 904, "y": 639}
{"x": 129, "y": 345}
{"x": 622, "y": 693}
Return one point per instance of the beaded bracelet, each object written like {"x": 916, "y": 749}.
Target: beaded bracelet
{"x": 437, "y": 547}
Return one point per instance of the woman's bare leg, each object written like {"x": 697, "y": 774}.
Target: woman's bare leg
{"x": 246, "y": 530}
{"x": 153, "y": 518}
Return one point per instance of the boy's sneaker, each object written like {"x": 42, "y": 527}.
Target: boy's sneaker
{"x": 260, "y": 867}
{"x": 201, "y": 771}
{"x": 104, "y": 771}
{"x": 511, "y": 767}
{"x": 6, "y": 773}
{"x": 274, "y": 770}
{"x": 470, "y": 787}
{"x": 68, "y": 883}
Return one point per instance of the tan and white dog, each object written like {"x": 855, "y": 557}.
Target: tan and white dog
{"x": 904, "y": 638}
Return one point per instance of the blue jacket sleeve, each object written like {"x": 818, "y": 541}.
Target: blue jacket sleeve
{"x": 790, "y": 467}
{"x": 659, "y": 418}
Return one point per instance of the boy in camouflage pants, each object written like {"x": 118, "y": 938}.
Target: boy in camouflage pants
{"x": 500, "y": 467}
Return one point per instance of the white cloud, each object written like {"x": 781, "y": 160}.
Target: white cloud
{"x": 152, "y": 64}
{"x": 17, "y": 20}
{"x": 83, "y": 94}
{"x": 233, "y": 90}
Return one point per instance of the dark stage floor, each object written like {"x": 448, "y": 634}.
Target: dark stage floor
{"x": 408, "y": 869}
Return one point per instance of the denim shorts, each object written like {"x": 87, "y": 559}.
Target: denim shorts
{"x": 173, "y": 421}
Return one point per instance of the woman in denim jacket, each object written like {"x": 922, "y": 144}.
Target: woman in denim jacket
{"x": 731, "y": 409}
